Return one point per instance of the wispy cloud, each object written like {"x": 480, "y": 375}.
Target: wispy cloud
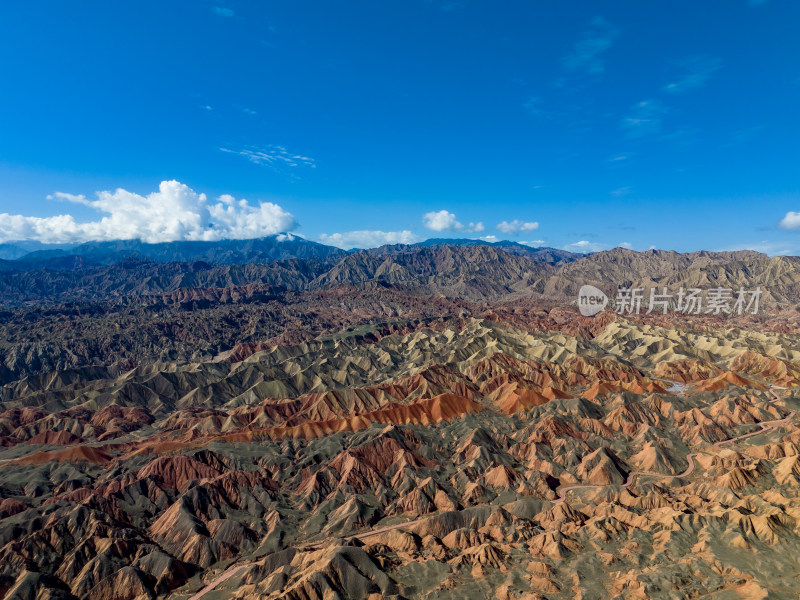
{"x": 770, "y": 247}
{"x": 622, "y": 191}
{"x": 451, "y": 6}
{"x": 587, "y": 53}
{"x": 580, "y": 67}
{"x": 644, "y": 118}
{"x": 277, "y": 157}
{"x": 174, "y": 212}
{"x": 682, "y": 136}
{"x": 516, "y": 227}
{"x": 245, "y": 110}
{"x": 620, "y": 158}
{"x": 368, "y": 239}
{"x": 585, "y": 246}
{"x": 695, "y": 71}
{"x": 533, "y": 104}
{"x": 443, "y": 220}
{"x": 743, "y": 136}
{"x": 221, "y": 11}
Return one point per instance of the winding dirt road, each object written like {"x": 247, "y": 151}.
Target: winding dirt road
{"x": 234, "y": 569}
{"x": 766, "y": 426}
{"x": 222, "y": 578}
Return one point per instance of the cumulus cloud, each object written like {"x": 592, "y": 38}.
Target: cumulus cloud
{"x": 516, "y": 227}
{"x": 368, "y": 239}
{"x": 790, "y": 221}
{"x": 221, "y": 11}
{"x": 489, "y": 238}
{"x": 443, "y": 220}
{"x": 174, "y": 212}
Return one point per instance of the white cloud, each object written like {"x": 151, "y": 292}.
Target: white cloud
{"x": 221, "y": 11}
{"x": 288, "y": 237}
{"x": 516, "y": 227}
{"x": 440, "y": 221}
{"x": 368, "y": 239}
{"x": 238, "y": 220}
{"x": 696, "y": 71}
{"x": 489, "y": 238}
{"x": 276, "y": 157}
{"x": 174, "y": 212}
{"x": 534, "y": 243}
{"x": 584, "y": 246}
{"x": 790, "y": 221}
{"x": 587, "y": 54}
{"x": 443, "y": 220}
{"x": 770, "y": 247}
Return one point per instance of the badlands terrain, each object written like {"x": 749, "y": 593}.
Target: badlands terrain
{"x": 283, "y": 420}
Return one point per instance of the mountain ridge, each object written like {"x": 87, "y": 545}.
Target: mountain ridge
{"x": 475, "y": 271}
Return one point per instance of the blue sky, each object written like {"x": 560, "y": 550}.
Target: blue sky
{"x": 579, "y": 125}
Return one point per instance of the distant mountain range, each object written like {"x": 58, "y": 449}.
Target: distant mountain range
{"x": 31, "y": 256}
{"x": 467, "y": 269}
{"x": 542, "y": 254}
{"x": 225, "y": 252}
{"x": 355, "y": 425}
{"x": 19, "y": 249}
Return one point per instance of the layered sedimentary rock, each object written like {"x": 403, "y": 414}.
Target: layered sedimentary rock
{"x": 388, "y": 443}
